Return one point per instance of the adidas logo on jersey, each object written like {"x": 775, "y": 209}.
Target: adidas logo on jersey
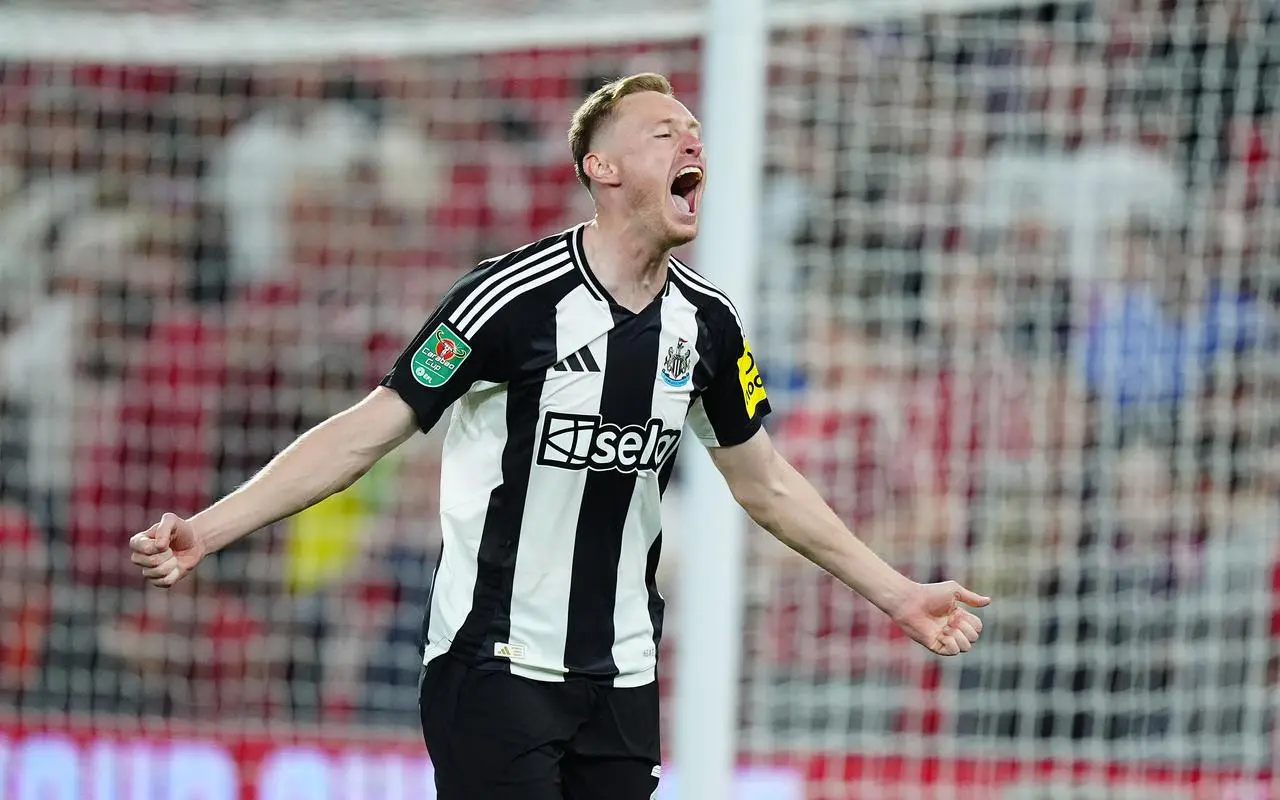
{"x": 515, "y": 652}
{"x": 581, "y": 361}
{"x": 585, "y": 441}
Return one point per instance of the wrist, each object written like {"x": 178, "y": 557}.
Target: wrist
{"x": 893, "y": 594}
{"x": 205, "y": 529}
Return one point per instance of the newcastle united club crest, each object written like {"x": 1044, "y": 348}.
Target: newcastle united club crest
{"x": 675, "y": 369}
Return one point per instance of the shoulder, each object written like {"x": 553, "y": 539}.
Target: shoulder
{"x": 498, "y": 286}
{"x": 710, "y": 300}
{"x": 525, "y": 261}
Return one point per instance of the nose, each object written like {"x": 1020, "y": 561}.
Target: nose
{"x": 693, "y": 146}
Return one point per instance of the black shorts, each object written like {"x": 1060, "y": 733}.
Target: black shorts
{"x": 496, "y": 736}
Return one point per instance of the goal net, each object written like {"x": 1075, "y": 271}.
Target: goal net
{"x": 1019, "y": 275}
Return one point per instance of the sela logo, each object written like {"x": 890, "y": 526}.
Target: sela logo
{"x": 585, "y": 441}
{"x": 675, "y": 369}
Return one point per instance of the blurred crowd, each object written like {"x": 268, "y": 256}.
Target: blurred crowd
{"x": 1038, "y": 272}
{"x": 1017, "y": 313}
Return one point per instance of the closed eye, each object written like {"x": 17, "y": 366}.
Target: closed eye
{"x": 664, "y": 136}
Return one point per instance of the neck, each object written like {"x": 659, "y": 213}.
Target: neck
{"x": 627, "y": 258}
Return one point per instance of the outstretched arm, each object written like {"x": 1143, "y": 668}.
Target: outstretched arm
{"x": 784, "y": 503}
{"x": 324, "y": 460}
{"x": 436, "y": 368}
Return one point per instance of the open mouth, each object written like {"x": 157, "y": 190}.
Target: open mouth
{"x": 684, "y": 190}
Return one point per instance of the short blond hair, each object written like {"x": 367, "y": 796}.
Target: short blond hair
{"x": 596, "y": 111}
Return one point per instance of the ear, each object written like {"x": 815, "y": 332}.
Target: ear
{"x": 600, "y": 169}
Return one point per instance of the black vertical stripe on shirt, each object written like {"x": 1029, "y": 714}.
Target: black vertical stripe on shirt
{"x": 657, "y": 606}
{"x": 489, "y": 620}
{"x": 626, "y": 397}
{"x": 708, "y": 358}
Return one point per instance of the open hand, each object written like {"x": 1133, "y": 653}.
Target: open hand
{"x": 933, "y": 614}
{"x": 167, "y": 550}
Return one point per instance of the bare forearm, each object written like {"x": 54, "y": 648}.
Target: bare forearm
{"x": 321, "y": 462}
{"x": 793, "y": 511}
{"x": 786, "y": 505}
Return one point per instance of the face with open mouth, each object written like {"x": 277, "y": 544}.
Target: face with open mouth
{"x": 686, "y": 191}
{"x": 662, "y": 166}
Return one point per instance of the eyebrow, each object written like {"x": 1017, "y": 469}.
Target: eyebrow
{"x": 697, "y": 126}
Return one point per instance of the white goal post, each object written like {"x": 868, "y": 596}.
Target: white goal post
{"x": 249, "y": 35}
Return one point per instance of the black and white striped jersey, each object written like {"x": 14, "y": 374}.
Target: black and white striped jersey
{"x": 568, "y": 411}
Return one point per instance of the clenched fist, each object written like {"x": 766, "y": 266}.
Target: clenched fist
{"x": 167, "y": 550}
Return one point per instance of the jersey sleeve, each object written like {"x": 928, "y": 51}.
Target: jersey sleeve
{"x": 446, "y": 358}
{"x": 732, "y": 407}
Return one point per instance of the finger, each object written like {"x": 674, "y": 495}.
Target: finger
{"x": 967, "y": 629}
{"x": 144, "y": 543}
{"x": 167, "y": 580}
{"x": 161, "y": 570}
{"x": 971, "y": 598}
{"x": 947, "y": 645}
{"x": 164, "y": 530}
{"x": 151, "y": 559}
{"x": 961, "y": 641}
{"x": 973, "y": 619}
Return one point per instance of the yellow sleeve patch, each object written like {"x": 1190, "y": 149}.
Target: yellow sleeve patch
{"x": 749, "y": 376}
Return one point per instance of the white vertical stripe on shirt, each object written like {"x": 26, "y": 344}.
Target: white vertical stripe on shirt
{"x": 544, "y": 561}
{"x": 469, "y": 473}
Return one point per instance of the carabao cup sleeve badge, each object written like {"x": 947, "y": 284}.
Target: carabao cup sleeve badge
{"x": 439, "y": 357}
